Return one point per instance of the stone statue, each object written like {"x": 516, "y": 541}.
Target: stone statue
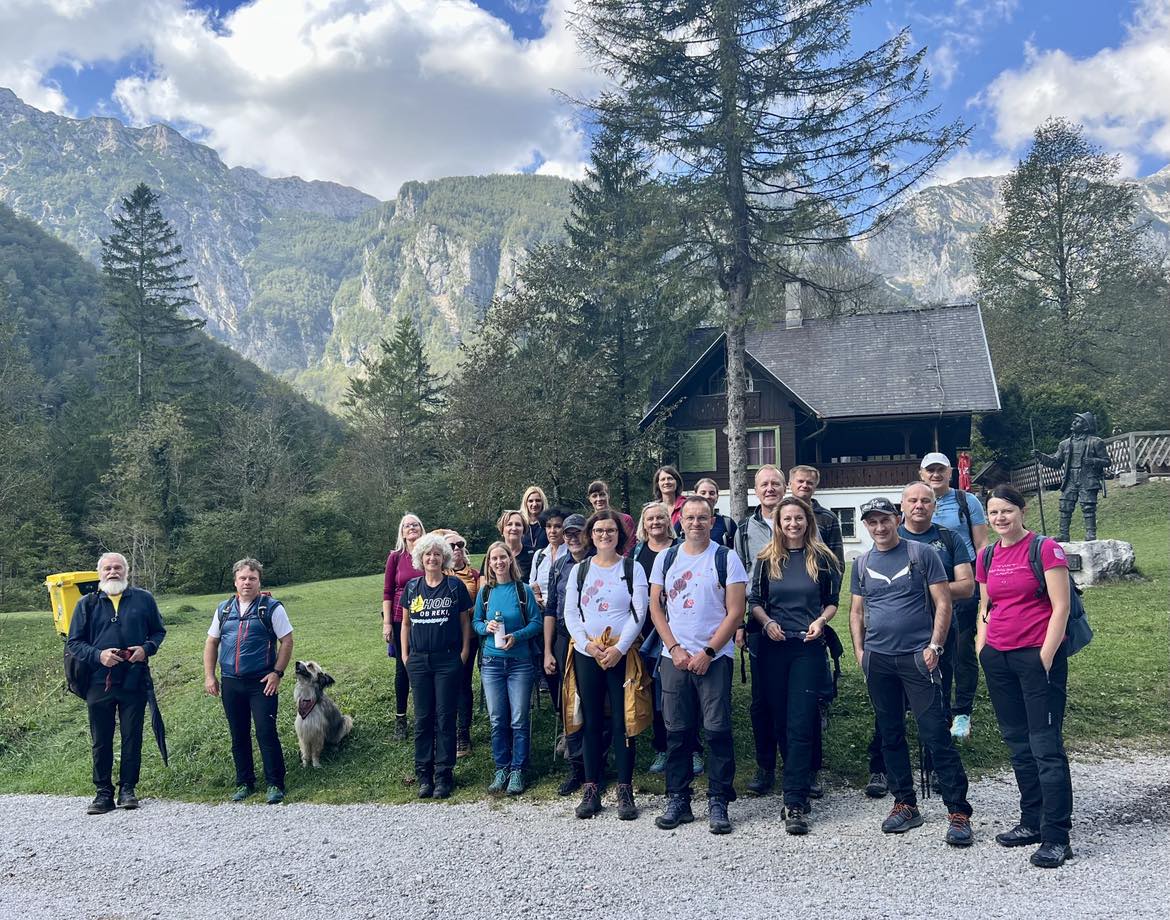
{"x": 1084, "y": 460}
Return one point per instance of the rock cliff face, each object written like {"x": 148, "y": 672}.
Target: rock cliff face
{"x": 304, "y": 277}
{"x": 926, "y": 248}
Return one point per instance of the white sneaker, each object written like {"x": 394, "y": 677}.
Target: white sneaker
{"x": 961, "y": 728}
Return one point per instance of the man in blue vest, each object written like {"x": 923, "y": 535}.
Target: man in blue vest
{"x": 114, "y": 631}
{"x": 251, "y": 638}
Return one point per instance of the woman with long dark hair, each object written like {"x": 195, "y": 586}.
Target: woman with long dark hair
{"x": 794, "y": 593}
{"x": 1020, "y": 641}
{"x": 668, "y": 489}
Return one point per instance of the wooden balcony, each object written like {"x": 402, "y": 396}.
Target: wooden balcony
{"x": 868, "y": 475}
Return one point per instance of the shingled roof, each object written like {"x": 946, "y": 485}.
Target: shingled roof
{"x": 911, "y": 362}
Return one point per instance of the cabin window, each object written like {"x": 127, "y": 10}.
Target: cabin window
{"x": 848, "y": 527}
{"x": 696, "y": 451}
{"x": 762, "y": 447}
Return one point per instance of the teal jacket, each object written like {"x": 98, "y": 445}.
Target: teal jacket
{"x": 503, "y": 600}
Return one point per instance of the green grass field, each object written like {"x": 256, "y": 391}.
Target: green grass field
{"x": 1119, "y": 694}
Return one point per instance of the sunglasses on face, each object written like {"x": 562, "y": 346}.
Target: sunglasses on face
{"x": 458, "y": 545}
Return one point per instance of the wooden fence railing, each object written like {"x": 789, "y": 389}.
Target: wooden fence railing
{"x": 1148, "y": 451}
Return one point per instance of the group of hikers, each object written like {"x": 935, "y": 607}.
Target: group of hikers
{"x": 633, "y": 625}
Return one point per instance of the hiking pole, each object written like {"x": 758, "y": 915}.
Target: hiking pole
{"x": 1039, "y": 481}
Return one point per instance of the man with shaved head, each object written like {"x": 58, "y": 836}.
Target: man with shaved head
{"x": 113, "y": 632}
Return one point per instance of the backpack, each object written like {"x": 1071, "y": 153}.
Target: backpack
{"x": 964, "y": 512}
{"x": 1078, "y": 632}
{"x": 627, "y": 576}
{"x": 78, "y": 671}
{"x": 720, "y": 567}
{"x": 536, "y": 643}
{"x": 915, "y": 551}
{"x": 263, "y": 612}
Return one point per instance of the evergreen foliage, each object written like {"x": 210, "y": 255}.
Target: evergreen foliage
{"x": 1066, "y": 269}
{"x": 143, "y": 264}
{"x": 775, "y": 135}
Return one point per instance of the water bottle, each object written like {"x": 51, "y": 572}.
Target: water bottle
{"x": 500, "y": 636}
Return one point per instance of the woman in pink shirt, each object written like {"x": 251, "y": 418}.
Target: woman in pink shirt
{"x": 400, "y": 569}
{"x": 1020, "y": 642}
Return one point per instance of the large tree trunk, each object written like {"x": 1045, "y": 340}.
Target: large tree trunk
{"x": 736, "y": 416}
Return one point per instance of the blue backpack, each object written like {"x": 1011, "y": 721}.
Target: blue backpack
{"x": 1078, "y": 632}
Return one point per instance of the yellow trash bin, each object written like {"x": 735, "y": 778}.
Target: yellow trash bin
{"x": 65, "y": 590}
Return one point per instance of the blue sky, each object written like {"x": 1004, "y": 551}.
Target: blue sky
{"x": 375, "y": 92}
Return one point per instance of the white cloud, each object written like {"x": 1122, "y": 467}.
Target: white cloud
{"x": 38, "y": 35}
{"x": 367, "y": 94}
{"x": 960, "y": 28}
{"x": 1121, "y": 95}
{"x": 968, "y": 163}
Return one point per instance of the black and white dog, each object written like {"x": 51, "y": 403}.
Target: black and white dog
{"x": 319, "y": 721}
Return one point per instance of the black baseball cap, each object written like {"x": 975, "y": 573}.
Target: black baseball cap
{"x": 878, "y": 505}
{"x": 574, "y": 522}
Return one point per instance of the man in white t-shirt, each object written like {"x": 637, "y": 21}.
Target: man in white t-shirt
{"x": 697, "y": 599}
{"x": 252, "y": 640}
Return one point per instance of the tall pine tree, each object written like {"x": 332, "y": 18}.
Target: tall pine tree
{"x": 772, "y": 131}
{"x": 144, "y": 265}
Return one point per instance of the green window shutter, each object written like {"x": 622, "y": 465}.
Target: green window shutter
{"x": 696, "y": 451}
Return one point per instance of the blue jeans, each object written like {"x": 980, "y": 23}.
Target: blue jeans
{"x": 507, "y": 687}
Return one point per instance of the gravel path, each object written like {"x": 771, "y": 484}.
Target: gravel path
{"x": 434, "y": 860}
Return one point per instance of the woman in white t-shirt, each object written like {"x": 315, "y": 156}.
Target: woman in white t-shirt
{"x": 605, "y": 592}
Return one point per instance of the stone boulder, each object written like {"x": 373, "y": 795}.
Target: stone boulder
{"x": 1095, "y": 561}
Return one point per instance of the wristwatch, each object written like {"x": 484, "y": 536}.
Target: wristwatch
{"x": 937, "y": 649}
{"x": 708, "y": 651}
{"x": 279, "y": 673}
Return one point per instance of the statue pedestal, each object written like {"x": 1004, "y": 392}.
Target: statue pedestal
{"x": 1095, "y": 561}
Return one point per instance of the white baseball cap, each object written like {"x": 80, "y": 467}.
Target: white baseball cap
{"x": 934, "y": 458}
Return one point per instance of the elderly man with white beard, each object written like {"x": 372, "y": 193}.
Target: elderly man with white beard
{"x": 114, "y": 631}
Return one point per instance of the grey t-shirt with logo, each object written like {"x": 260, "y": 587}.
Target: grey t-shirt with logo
{"x": 899, "y": 616}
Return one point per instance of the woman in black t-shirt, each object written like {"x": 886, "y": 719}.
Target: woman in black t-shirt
{"x": 512, "y": 528}
{"x": 436, "y": 643}
{"x": 794, "y": 587}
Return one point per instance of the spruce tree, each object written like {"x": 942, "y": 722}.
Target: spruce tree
{"x": 149, "y": 293}
{"x": 772, "y": 133}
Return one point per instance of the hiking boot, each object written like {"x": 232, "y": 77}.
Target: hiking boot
{"x": 902, "y": 818}
{"x": 126, "y": 798}
{"x": 462, "y": 748}
{"x": 401, "y": 728}
{"x": 499, "y": 782}
{"x": 959, "y": 833}
{"x": 444, "y": 786}
{"x": 1019, "y": 836}
{"x": 515, "y": 782}
{"x": 590, "y": 801}
{"x": 659, "y": 765}
{"x": 426, "y": 787}
{"x": 717, "y": 820}
{"x": 961, "y": 728}
{"x": 242, "y": 792}
{"x": 572, "y": 783}
{"x": 102, "y": 803}
{"x": 877, "y": 787}
{"x": 275, "y": 795}
{"x": 815, "y": 789}
{"x": 795, "y": 820}
{"x": 627, "y": 810}
{"x": 763, "y": 783}
{"x": 677, "y": 811}
{"x": 1051, "y": 855}
{"x": 697, "y": 764}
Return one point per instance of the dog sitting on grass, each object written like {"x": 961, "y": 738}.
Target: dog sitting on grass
{"x": 319, "y": 721}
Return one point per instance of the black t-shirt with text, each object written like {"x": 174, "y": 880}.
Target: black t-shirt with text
{"x": 435, "y": 624}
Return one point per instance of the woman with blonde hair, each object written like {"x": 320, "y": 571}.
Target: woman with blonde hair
{"x": 400, "y": 569}
{"x": 507, "y": 618}
{"x": 532, "y": 505}
{"x": 795, "y": 583}
{"x": 512, "y": 527}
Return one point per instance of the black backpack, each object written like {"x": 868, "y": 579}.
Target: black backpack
{"x": 914, "y": 552}
{"x": 627, "y": 576}
{"x": 1078, "y": 632}
{"x": 720, "y": 568}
